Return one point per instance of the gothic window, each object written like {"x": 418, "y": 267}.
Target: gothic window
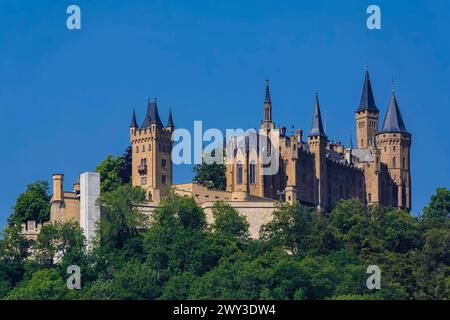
{"x": 137, "y": 149}
{"x": 394, "y": 162}
{"x": 239, "y": 172}
{"x": 143, "y": 148}
{"x": 394, "y": 148}
{"x": 404, "y": 163}
{"x": 163, "y": 179}
{"x": 163, "y": 163}
{"x": 149, "y": 147}
{"x": 252, "y": 172}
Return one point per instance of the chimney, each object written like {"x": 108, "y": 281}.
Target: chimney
{"x": 58, "y": 193}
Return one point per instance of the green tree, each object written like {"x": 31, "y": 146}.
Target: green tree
{"x": 45, "y": 284}
{"x": 33, "y": 204}
{"x": 60, "y": 243}
{"x": 229, "y": 221}
{"x": 210, "y": 175}
{"x": 438, "y": 210}
{"x": 110, "y": 171}
{"x": 13, "y": 254}
{"x": 123, "y": 224}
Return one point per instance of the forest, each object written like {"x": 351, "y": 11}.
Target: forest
{"x": 301, "y": 254}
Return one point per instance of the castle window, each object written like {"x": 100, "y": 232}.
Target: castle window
{"x": 404, "y": 163}
{"x": 239, "y": 173}
{"x": 393, "y": 148}
{"x": 252, "y": 172}
{"x": 163, "y": 163}
{"x": 394, "y": 162}
{"x": 137, "y": 149}
{"x": 384, "y": 148}
{"x": 163, "y": 179}
{"x": 143, "y": 148}
{"x": 149, "y": 147}
{"x": 362, "y": 141}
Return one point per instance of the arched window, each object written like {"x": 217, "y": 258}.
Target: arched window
{"x": 252, "y": 172}
{"x": 239, "y": 172}
{"x": 137, "y": 149}
{"x": 394, "y": 162}
{"x": 143, "y": 148}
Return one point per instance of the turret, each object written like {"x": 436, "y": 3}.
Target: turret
{"x": 133, "y": 125}
{"x": 367, "y": 115}
{"x": 394, "y": 142}
{"x": 170, "y": 126}
{"x": 317, "y": 141}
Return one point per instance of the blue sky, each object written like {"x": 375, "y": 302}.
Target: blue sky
{"x": 66, "y": 97}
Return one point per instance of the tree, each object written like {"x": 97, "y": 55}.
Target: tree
{"x": 112, "y": 172}
{"x": 123, "y": 224}
{"x": 229, "y": 222}
{"x": 438, "y": 210}
{"x": 13, "y": 254}
{"x": 45, "y": 284}
{"x": 60, "y": 243}
{"x": 33, "y": 204}
{"x": 210, "y": 175}
{"x": 289, "y": 225}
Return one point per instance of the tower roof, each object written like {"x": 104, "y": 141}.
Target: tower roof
{"x": 133, "y": 120}
{"x": 393, "y": 121}
{"x": 317, "y": 127}
{"x": 367, "y": 101}
{"x": 152, "y": 115}
{"x": 170, "y": 120}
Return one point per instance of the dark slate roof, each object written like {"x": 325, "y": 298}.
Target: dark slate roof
{"x": 152, "y": 116}
{"x": 133, "y": 120}
{"x": 367, "y": 101}
{"x": 267, "y": 96}
{"x": 317, "y": 127}
{"x": 170, "y": 120}
{"x": 393, "y": 121}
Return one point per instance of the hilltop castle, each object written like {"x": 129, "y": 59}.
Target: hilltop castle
{"x": 312, "y": 169}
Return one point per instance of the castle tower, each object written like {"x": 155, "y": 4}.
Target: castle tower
{"x": 367, "y": 116}
{"x": 317, "y": 141}
{"x": 151, "y": 155}
{"x": 267, "y": 122}
{"x": 394, "y": 143}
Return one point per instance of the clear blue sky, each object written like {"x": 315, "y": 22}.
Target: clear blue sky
{"x": 66, "y": 96}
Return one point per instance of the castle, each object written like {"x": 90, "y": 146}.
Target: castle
{"x": 312, "y": 169}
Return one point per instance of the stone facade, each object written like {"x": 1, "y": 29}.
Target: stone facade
{"x": 320, "y": 172}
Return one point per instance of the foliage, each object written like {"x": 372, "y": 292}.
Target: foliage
{"x": 210, "y": 175}
{"x": 114, "y": 171}
{"x": 301, "y": 254}
{"x": 33, "y": 204}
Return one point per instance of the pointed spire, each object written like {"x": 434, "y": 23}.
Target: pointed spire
{"x": 152, "y": 115}
{"x": 133, "y": 120}
{"x": 267, "y": 106}
{"x": 317, "y": 127}
{"x": 267, "y": 96}
{"x": 170, "y": 120}
{"x": 393, "y": 121}
{"x": 367, "y": 101}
